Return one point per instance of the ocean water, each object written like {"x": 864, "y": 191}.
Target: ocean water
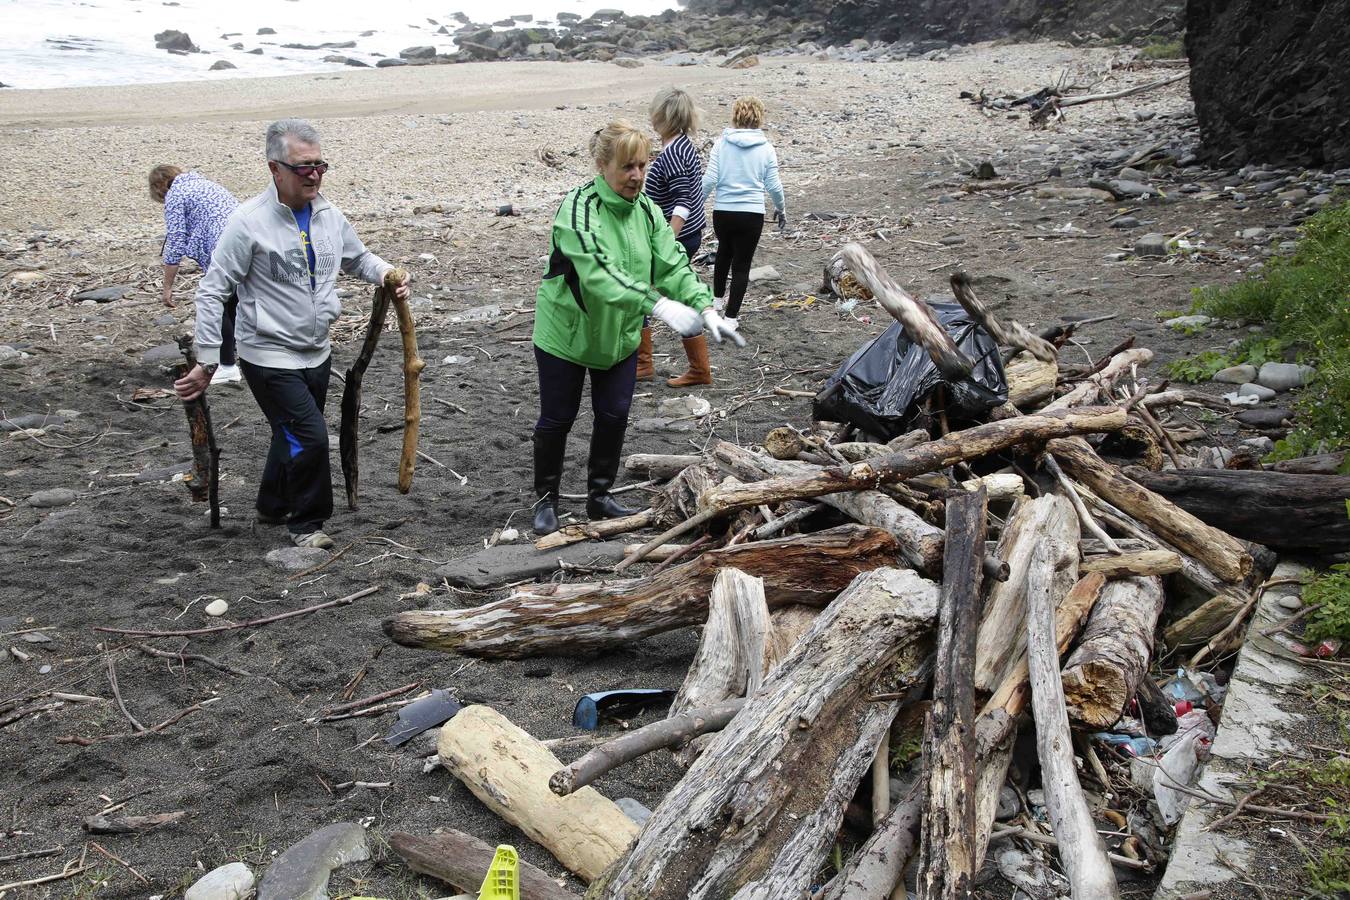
{"x": 72, "y": 43}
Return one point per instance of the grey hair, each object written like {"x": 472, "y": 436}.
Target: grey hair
{"x": 279, "y": 131}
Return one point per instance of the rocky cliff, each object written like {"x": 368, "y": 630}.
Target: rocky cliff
{"x": 839, "y": 21}
{"x": 1271, "y": 81}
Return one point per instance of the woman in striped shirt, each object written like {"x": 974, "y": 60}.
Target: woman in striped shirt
{"x": 675, "y": 183}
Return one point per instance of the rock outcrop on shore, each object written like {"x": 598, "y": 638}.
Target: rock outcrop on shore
{"x": 1292, "y": 104}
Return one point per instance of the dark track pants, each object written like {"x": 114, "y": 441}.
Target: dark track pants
{"x": 296, "y": 482}
{"x": 737, "y": 237}
{"x": 227, "y": 354}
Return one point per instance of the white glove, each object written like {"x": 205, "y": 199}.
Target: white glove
{"x": 720, "y": 327}
{"x": 681, "y": 318}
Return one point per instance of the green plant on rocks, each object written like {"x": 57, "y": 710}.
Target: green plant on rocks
{"x": 1162, "y": 49}
{"x": 1330, "y": 592}
{"x": 1304, "y": 301}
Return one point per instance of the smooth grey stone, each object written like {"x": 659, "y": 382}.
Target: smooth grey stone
{"x": 222, "y": 64}
{"x": 634, "y": 810}
{"x": 1236, "y": 374}
{"x": 111, "y": 292}
{"x": 53, "y": 497}
{"x": 1213, "y": 457}
{"x": 418, "y": 52}
{"x": 1284, "y": 376}
{"x": 1188, "y": 322}
{"x": 1292, "y": 196}
{"x": 233, "y": 881}
{"x": 953, "y": 240}
{"x": 1268, "y": 418}
{"x": 301, "y": 871}
{"x": 1009, "y": 804}
{"x": 1291, "y": 602}
{"x": 1130, "y": 174}
{"x": 59, "y": 524}
{"x": 657, "y": 424}
{"x": 627, "y": 62}
{"x": 162, "y": 355}
{"x": 1265, "y": 187}
{"x": 1126, "y": 222}
{"x": 1259, "y": 445}
{"x": 296, "y": 559}
{"x": 764, "y": 273}
{"x": 166, "y": 321}
{"x": 390, "y": 62}
{"x": 30, "y": 420}
{"x": 1319, "y": 201}
{"x": 504, "y": 563}
{"x": 9, "y": 354}
{"x": 1259, "y": 391}
{"x": 485, "y": 313}
{"x": 1251, "y": 234}
{"x": 1152, "y": 244}
{"x": 1123, "y": 187}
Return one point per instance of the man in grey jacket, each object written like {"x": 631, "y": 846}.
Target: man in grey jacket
{"x": 281, "y": 252}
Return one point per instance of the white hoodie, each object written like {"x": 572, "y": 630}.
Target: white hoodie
{"x": 281, "y": 323}
{"x": 741, "y": 167}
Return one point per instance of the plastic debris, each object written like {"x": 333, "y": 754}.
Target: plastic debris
{"x": 616, "y": 704}
{"x": 434, "y": 709}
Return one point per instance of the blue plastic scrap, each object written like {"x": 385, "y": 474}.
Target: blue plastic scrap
{"x": 614, "y": 703}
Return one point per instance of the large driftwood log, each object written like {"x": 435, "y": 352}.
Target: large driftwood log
{"x": 348, "y": 430}
{"x": 462, "y": 860}
{"x": 1105, "y": 669}
{"x": 1009, "y": 334}
{"x": 1282, "y": 511}
{"x": 660, "y": 465}
{"x": 509, "y": 770}
{"x": 1220, "y": 552}
{"x": 412, "y": 373}
{"x": 582, "y": 618}
{"x": 917, "y": 318}
{"x": 756, "y": 814}
{"x": 1029, "y": 380}
{"x": 730, "y": 659}
{"x": 1080, "y": 847}
{"x": 1206, "y": 620}
{"x": 1321, "y": 464}
{"x": 1049, "y": 520}
{"x": 675, "y": 731}
{"x": 958, "y": 446}
{"x": 1140, "y": 562}
{"x": 947, "y": 861}
{"x": 920, "y": 542}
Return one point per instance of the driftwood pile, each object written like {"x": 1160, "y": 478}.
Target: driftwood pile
{"x": 847, "y": 588}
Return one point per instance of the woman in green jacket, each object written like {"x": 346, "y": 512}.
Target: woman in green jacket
{"x": 613, "y": 260}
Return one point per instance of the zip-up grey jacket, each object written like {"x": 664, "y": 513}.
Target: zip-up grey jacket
{"x": 281, "y": 322}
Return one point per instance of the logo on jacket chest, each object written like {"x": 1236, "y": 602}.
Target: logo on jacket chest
{"x": 293, "y": 266}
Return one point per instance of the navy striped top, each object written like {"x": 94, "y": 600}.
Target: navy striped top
{"x": 675, "y": 183}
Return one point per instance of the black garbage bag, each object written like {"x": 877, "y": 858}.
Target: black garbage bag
{"x": 881, "y": 388}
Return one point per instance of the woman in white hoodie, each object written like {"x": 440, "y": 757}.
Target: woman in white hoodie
{"x": 742, "y": 166}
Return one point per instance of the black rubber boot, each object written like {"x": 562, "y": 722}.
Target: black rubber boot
{"x": 548, "y": 462}
{"x": 601, "y": 469}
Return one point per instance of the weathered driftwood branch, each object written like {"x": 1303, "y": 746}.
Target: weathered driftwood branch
{"x": 594, "y": 531}
{"x": 947, "y": 861}
{"x": 1093, "y": 388}
{"x": 1009, "y": 334}
{"x": 1140, "y": 562}
{"x": 917, "y": 318}
{"x": 348, "y": 429}
{"x": 1282, "y": 511}
{"x": 1112, "y": 657}
{"x": 412, "y": 372}
{"x": 204, "y": 483}
{"x": 1207, "y": 619}
{"x": 756, "y": 814}
{"x": 875, "y": 868}
{"x": 509, "y": 770}
{"x": 675, "y": 731}
{"x": 1220, "y": 552}
{"x": 1049, "y": 520}
{"x": 1029, "y": 380}
{"x": 462, "y": 860}
{"x": 660, "y": 465}
{"x": 1080, "y": 847}
{"x": 1120, "y": 95}
{"x": 582, "y": 618}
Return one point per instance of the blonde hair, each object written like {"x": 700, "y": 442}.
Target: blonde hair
{"x": 619, "y": 140}
{"x": 747, "y": 112}
{"x": 673, "y": 112}
{"x": 161, "y": 177}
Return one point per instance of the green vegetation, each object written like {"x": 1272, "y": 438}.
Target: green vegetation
{"x": 1330, "y": 592}
{"x": 1160, "y": 49}
{"x": 1304, "y": 302}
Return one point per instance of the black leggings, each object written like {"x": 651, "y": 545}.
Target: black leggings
{"x": 560, "y": 384}
{"x": 737, "y": 237}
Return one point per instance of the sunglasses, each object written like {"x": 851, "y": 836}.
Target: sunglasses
{"x": 305, "y": 171}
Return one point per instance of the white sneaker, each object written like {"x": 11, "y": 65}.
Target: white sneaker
{"x": 315, "y": 539}
{"x": 734, "y": 323}
{"x": 227, "y": 375}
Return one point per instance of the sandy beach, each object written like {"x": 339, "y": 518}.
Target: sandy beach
{"x": 422, "y": 158}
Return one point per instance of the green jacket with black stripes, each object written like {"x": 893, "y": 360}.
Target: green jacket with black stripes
{"x": 610, "y": 260}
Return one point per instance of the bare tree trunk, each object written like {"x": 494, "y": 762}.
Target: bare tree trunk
{"x": 1141, "y": 562}
{"x": 1080, "y": 847}
{"x": 582, "y": 618}
{"x": 1105, "y": 670}
{"x": 875, "y": 868}
{"x": 1029, "y": 380}
{"x": 756, "y": 814}
{"x": 946, "y": 860}
{"x": 660, "y": 465}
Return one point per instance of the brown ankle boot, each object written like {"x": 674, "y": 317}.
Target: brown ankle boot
{"x": 696, "y": 348}
{"x": 645, "y": 370}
